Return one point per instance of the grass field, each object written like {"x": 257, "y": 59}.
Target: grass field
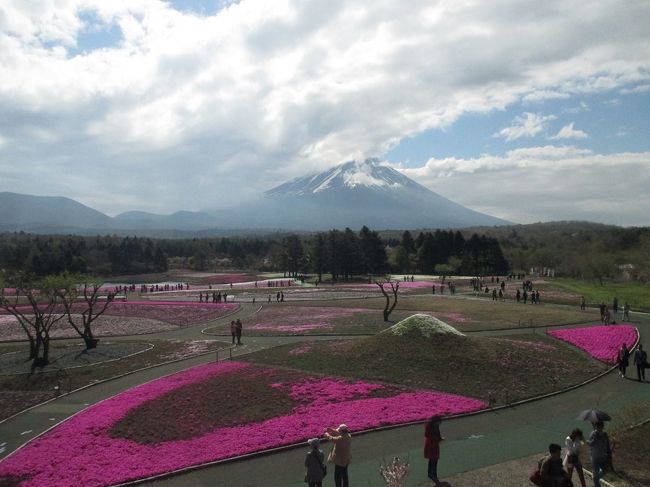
{"x": 635, "y": 293}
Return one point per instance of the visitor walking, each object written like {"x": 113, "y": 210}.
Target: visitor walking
{"x": 233, "y": 331}
{"x": 601, "y": 453}
{"x": 626, "y": 311}
{"x": 623, "y": 359}
{"x": 641, "y": 362}
{"x": 572, "y": 461}
{"x": 314, "y": 464}
{"x": 238, "y": 329}
{"x": 432, "y": 439}
{"x": 583, "y": 305}
{"x": 341, "y": 454}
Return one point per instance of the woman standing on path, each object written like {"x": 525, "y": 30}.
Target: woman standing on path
{"x": 572, "y": 458}
{"x": 314, "y": 464}
{"x": 432, "y": 439}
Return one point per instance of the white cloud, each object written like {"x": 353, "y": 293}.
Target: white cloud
{"x": 546, "y": 183}
{"x": 526, "y": 125}
{"x": 568, "y": 132}
{"x": 644, "y": 88}
{"x": 543, "y": 95}
{"x": 199, "y": 109}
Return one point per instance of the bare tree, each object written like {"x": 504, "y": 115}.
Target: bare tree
{"x": 34, "y": 305}
{"x": 394, "y": 286}
{"x": 85, "y": 301}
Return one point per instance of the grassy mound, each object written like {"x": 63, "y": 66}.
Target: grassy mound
{"x": 423, "y": 325}
{"x": 509, "y": 367}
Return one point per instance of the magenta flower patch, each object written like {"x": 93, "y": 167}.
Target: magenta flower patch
{"x": 601, "y": 342}
{"x": 81, "y": 451}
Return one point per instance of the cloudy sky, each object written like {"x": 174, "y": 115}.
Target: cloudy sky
{"x": 527, "y": 110}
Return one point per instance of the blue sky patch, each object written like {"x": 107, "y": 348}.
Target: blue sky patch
{"x": 96, "y": 34}
{"x": 613, "y": 121}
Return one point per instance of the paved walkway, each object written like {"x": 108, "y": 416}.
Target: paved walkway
{"x": 471, "y": 443}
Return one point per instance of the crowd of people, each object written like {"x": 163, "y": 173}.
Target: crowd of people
{"x": 217, "y": 297}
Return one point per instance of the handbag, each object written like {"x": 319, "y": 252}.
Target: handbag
{"x": 536, "y": 477}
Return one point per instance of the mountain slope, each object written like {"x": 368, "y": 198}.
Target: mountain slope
{"x": 47, "y": 213}
{"x": 367, "y": 193}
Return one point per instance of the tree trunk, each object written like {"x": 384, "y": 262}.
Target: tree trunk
{"x": 90, "y": 341}
{"x": 40, "y": 361}
{"x": 33, "y": 349}
{"x": 386, "y": 314}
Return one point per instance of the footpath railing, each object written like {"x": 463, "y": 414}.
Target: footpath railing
{"x": 229, "y": 357}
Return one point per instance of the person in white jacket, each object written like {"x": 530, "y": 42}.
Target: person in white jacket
{"x": 572, "y": 461}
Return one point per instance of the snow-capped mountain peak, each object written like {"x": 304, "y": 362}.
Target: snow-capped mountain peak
{"x": 371, "y": 173}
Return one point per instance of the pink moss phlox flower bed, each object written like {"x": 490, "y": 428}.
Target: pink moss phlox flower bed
{"x": 291, "y": 328}
{"x": 402, "y": 285}
{"x": 80, "y": 451}
{"x": 303, "y": 319}
{"x": 180, "y": 313}
{"x": 601, "y": 342}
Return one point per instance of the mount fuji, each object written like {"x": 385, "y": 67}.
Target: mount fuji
{"x": 369, "y": 193}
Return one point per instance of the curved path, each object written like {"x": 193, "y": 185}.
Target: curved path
{"x": 472, "y": 442}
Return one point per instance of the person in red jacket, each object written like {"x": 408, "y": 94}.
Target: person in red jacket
{"x": 432, "y": 439}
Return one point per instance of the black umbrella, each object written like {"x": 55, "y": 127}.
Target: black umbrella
{"x": 594, "y": 415}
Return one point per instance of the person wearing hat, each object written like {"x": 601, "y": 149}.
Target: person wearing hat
{"x": 314, "y": 464}
{"x": 341, "y": 454}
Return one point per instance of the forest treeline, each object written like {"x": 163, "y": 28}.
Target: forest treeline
{"x": 572, "y": 249}
{"x": 339, "y": 253}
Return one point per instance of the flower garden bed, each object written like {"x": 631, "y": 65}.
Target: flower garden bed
{"x": 180, "y": 313}
{"x": 130, "y": 318}
{"x": 601, "y": 342}
{"x": 305, "y": 320}
{"x": 211, "y": 413}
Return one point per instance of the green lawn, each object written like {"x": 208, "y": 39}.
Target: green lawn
{"x": 635, "y": 293}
